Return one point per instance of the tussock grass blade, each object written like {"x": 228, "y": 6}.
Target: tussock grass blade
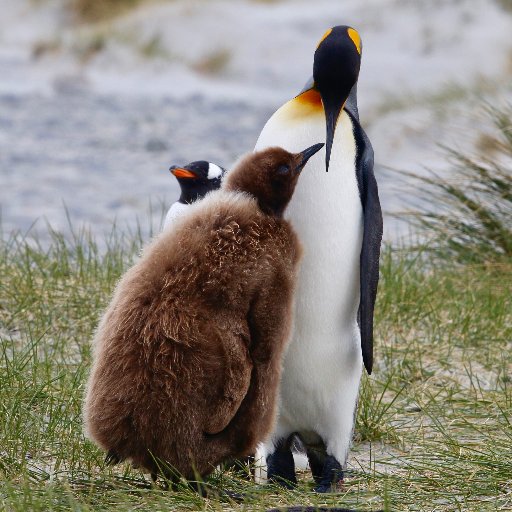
{"x": 470, "y": 213}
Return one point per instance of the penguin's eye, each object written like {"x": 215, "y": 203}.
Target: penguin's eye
{"x": 283, "y": 169}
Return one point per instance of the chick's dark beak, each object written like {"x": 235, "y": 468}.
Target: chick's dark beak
{"x": 180, "y": 172}
{"x": 307, "y": 154}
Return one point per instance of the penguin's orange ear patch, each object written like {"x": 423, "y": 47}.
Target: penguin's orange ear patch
{"x": 356, "y": 39}
{"x": 323, "y": 37}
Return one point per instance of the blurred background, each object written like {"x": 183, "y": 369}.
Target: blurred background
{"x": 99, "y": 97}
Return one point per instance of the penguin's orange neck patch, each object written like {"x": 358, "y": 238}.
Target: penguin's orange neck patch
{"x": 309, "y": 103}
{"x": 311, "y": 98}
{"x": 305, "y": 105}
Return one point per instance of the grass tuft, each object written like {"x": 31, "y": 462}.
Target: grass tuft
{"x": 214, "y": 63}
{"x": 469, "y": 215}
{"x": 99, "y": 10}
{"x": 433, "y": 429}
{"x": 505, "y": 4}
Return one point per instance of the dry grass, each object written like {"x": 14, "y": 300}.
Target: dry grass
{"x": 98, "y": 10}
{"x": 213, "y": 63}
{"x": 505, "y": 4}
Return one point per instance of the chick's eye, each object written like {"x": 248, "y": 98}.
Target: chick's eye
{"x": 283, "y": 169}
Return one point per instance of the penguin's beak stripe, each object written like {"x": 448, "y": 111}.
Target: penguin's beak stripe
{"x": 182, "y": 173}
{"x": 332, "y": 114}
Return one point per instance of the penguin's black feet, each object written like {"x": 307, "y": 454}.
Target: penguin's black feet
{"x": 332, "y": 476}
{"x": 316, "y": 458}
{"x": 281, "y": 466}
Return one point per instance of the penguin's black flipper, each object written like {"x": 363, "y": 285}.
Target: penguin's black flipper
{"x": 372, "y": 236}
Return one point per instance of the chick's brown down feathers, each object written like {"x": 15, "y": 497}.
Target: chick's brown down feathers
{"x": 187, "y": 355}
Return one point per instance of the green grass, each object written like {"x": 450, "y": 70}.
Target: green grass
{"x": 468, "y": 214}
{"x": 433, "y": 430}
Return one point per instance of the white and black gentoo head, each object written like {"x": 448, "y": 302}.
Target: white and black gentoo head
{"x": 196, "y": 179}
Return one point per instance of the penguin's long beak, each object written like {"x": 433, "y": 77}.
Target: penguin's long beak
{"x": 180, "y": 172}
{"x": 332, "y": 109}
{"x": 307, "y": 154}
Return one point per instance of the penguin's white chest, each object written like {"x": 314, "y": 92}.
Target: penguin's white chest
{"x": 324, "y": 355}
{"x": 176, "y": 211}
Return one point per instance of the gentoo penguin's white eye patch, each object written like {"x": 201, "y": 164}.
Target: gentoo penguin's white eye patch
{"x": 214, "y": 171}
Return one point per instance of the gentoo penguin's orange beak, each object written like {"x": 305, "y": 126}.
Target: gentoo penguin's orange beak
{"x": 180, "y": 172}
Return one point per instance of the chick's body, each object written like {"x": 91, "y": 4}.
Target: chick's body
{"x": 187, "y": 356}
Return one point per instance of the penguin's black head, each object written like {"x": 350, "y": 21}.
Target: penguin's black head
{"x": 196, "y": 179}
{"x": 335, "y": 72}
{"x": 270, "y": 176}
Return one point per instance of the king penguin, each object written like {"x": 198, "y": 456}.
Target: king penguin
{"x": 187, "y": 356}
{"x": 338, "y": 218}
{"x": 196, "y": 179}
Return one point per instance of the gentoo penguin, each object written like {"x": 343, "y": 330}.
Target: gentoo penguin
{"x": 187, "y": 356}
{"x": 196, "y": 179}
{"x": 338, "y": 218}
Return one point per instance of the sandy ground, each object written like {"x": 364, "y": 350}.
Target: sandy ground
{"x": 92, "y": 116}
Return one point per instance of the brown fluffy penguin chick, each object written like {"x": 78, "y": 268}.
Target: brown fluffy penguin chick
{"x": 187, "y": 356}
